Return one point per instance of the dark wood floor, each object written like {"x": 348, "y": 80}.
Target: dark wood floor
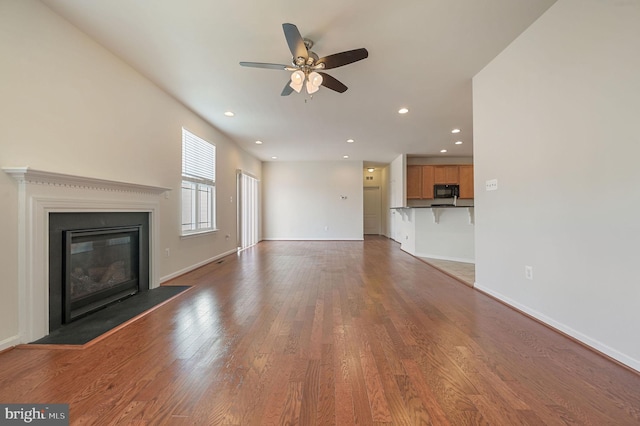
{"x": 322, "y": 333}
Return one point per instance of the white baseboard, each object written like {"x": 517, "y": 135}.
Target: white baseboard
{"x": 10, "y": 342}
{"x": 593, "y": 343}
{"x": 453, "y": 259}
{"x": 312, "y": 239}
{"x": 196, "y": 266}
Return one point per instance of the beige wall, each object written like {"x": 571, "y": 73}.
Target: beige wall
{"x": 67, "y": 105}
{"x": 556, "y": 122}
{"x": 304, "y": 200}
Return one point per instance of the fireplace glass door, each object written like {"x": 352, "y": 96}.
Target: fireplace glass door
{"x": 101, "y": 267}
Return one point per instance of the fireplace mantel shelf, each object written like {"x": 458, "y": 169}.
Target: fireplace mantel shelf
{"x": 30, "y": 175}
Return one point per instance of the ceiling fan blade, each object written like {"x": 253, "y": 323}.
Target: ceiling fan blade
{"x": 332, "y": 83}
{"x": 295, "y": 41}
{"x": 263, "y": 65}
{"x": 343, "y": 58}
{"x": 287, "y": 89}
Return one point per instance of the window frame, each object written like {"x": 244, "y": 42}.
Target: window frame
{"x": 200, "y": 176}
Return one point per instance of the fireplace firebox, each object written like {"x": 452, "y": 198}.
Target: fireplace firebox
{"x": 101, "y": 267}
{"x": 95, "y": 259}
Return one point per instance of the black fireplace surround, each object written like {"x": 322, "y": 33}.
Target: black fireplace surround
{"x": 95, "y": 258}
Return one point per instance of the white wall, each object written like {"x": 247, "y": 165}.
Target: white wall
{"x": 386, "y": 201}
{"x": 397, "y": 179}
{"x": 67, "y": 105}
{"x": 450, "y": 238}
{"x": 556, "y": 122}
{"x": 397, "y": 195}
{"x": 303, "y": 201}
{"x": 447, "y": 236}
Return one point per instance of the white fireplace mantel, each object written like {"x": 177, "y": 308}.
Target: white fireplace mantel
{"x": 30, "y": 175}
{"x": 41, "y": 193}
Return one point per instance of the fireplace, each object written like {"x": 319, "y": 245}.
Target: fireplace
{"x": 101, "y": 267}
{"x": 95, "y": 259}
{"x": 43, "y": 195}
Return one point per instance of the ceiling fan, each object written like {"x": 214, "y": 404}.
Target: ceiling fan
{"x": 307, "y": 68}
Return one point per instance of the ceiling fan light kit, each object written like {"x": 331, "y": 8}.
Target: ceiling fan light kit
{"x": 297, "y": 80}
{"x": 314, "y": 81}
{"x": 306, "y": 65}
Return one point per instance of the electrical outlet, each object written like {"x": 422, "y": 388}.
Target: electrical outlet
{"x": 491, "y": 185}
{"x": 528, "y": 272}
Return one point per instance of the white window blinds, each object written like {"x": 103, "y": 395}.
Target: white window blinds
{"x": 198, "y": 159}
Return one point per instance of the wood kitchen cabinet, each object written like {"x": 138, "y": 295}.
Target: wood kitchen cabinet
{"x": 445, "y": 174}
{"x": 466, "y": 181}
{"x": 427, "y": 182}
{"x": 414, "y": 182}
{"x": 421, "y": 178}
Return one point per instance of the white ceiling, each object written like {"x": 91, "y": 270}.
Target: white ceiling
{"x": 422, "y": 55}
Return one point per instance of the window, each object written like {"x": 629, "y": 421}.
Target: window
{"x": 198, "y": 184}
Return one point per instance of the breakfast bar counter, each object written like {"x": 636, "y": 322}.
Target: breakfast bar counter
{"x": 437, "y": 232}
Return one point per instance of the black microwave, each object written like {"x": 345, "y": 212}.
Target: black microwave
{"x": 446, "y": 191}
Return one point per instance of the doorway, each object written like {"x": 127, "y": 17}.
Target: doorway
{"x": 372, "y": 216}
{"x": 248, "y": 210}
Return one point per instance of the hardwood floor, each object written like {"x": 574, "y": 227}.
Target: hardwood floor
{"x": 324, "y": 333}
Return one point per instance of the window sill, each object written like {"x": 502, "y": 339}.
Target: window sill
{"x": 198, "y": 233}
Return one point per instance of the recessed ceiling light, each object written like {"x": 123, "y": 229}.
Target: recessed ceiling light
{"x": 229, "y": 113}
{"x": 459, "y": 143}
{"x": 443, "y": 150}
{"x": 403, "y": 110}
{"x": 455, "y": 131}
{"x": 350, "y": 141}
{"x": 345, "y": 156}
{"x": 274, "y": 157}
{"x": 258, "y": 142}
